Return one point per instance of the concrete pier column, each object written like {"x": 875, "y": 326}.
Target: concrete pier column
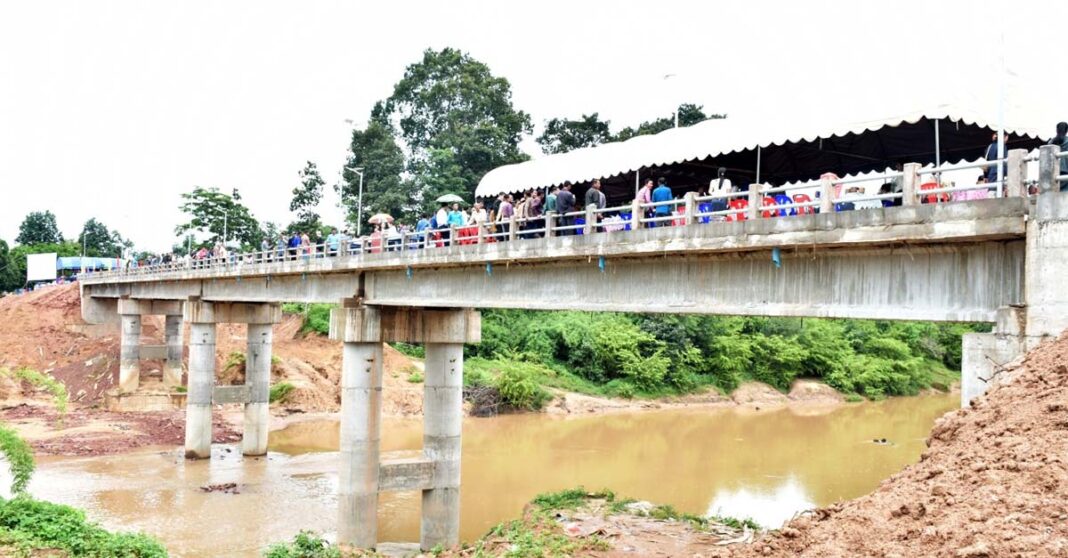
{"x": 201, "y": 386}
{"x": 130, "y": 353}
{"x": 442, "y": 423}
{"x": 361, "y": 415}
{"x": 258, "y": 380}
{"x": 172, "y": 367}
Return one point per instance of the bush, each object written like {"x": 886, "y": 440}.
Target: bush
{"x": 416, "y": 377}
{"x": 29, "y": 524}
{"x": 518, "y": 388}
{"x": 19, "y": 458}
{"x": 44, "y": 381}
{"x": 279, "y": 391}
{"x": 414, "y": 351}
{"x": 305, "y": 545}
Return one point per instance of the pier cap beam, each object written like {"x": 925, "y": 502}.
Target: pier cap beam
{"x": 391, "y": 324}
{"x": 203, "y": 312}
{"x": 149, "y": 307}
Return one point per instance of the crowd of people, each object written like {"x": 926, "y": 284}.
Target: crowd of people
{"x": 529, "y": 212}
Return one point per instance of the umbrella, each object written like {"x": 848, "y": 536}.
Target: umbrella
{"x": 450, "y": 198}
{"x": 379, "y": 218}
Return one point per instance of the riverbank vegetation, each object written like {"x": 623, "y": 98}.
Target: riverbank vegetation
{"x": 523, "y": 353}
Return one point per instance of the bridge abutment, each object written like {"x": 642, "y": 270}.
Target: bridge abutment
{"x": 1044, "y": 314}
{"x": 203, "y": 317}
{"x": 363, "y": 475}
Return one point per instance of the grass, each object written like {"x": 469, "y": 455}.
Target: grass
{"x": 305, "y": 545}
{"x": 39, "y": 380}
{"x": 415, "y": 377}
{"x": 279, "y": 391}
{"x": 574, "y": 498}
{"x": 233, "y": 360}
{"x": 414, "y": 351}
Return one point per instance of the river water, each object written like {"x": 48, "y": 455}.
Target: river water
{"x": 766, "y": 465}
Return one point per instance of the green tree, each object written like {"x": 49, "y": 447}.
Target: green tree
{"x": 9, "y": 270}
{"x": 18, "y": 256}
{"x": 100, "y": 242}
{"x": 451, "y": 101}
{"x": 689, "y": 114}
{"x": 562, "y": 135}
{"x": 39, "y": 227}
{"x": 306, "y": 198}
{"x": 220, "y": 216}
{"x": 375, "y": 150}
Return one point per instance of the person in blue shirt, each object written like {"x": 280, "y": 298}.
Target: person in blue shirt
{"x": 456, "y": 217}
{"x": 294, "y": 245}
{"x": 333, "y": 242}
{"x": 992, "y": 155}
{"x": 661, "y": 194}
{"x": 421, "y": 227}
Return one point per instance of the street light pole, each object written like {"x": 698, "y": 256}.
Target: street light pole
{"x": 359, "y": 199}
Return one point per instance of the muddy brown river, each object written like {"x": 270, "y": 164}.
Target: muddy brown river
{"x": 766, "y": 465}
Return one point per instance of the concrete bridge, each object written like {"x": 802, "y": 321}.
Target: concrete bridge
{"x": 997, "y": 260}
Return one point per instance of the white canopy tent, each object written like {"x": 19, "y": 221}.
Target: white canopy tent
{"x": 767, "y": 149}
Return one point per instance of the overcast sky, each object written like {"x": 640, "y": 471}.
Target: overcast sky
{"x": 112, "y": 109}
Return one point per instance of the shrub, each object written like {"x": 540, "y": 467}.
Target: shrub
{"x": 19, "y": 458}
{"x": 305, "y": 545}
{"x": 414, "y": 351}
{"x": 519, "y": 388}
{"x": 279, "y": 391}
{"x": 29, "y": 524}
{"x": 46, "y": 382}
{"x": 416, "y": 377}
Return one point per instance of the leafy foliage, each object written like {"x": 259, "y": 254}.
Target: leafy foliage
{"x": 10, "y": 278}
{"x": 306, "y": 197}
{"x": 305, "y": 545}
{"x": 29, "y": 524}
{"x": 689, "y": 114}
{"x": 60, "y": 397}
{"x": 644, "y": 355}
{"x": 219, "y": 216}
{"x": 519, "y": 388}
{"x": 19, "y": 456}
{"x": 456, "y": 120}
{"x": 100, "y": 242}
{"x": 39, "y": 227}
{"x": 562, "y": 135}
{"x": 316, "y": 316}
{"x": 279, "y": 392}
{"x": 375, "y": 150}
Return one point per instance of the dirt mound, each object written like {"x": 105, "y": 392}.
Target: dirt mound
{"x": 43, "y": 330}
{"x": 993, "y": 482}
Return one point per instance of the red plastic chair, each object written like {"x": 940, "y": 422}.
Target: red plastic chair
{"x": 806, "y": 210}
{"x": 468, "y": 235}
{"x": 768, "y": 205}
{"x": 933, "y": 198}
{"x": 739, "y": 205}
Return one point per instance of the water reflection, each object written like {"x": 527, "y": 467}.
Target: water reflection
{"x": 768, "y": 508}
{"x": 763, "y": 465}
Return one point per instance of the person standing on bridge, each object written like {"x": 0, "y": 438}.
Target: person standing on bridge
{"x": 333, "y": 242}
{"x": 565, "y": 202}
{"x": 1061, "y": 140}
{"x": 596, "y": 198}
{"x": 661, "y": 194}
{"x": 645, "y": 197}
{"x": 504, "y": 216}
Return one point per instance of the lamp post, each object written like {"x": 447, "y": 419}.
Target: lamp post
{"x": 359, "y": 199}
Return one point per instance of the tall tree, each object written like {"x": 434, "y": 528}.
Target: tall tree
{"x": 220, "y": 216}
{"x": 306, "y": 198}
{"x": 99, "y": 241}
{"x": 374, "y": 149}
{"x": 9, "y": 270}
{"x": 451, "y": 101}
{"x": 39, "y": 227}
{"x": 562, "y": 135}
{"x": 689, "y": 114}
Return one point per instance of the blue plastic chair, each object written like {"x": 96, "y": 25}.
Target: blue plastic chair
{"x": 626, "y": 219}
{"x": 579, "y": 221}
{"x": 705, "y": 207}
{"x": 783, "y": 199}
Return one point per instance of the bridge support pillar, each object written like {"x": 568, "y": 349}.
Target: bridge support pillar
{"x": 258, "y": 380}
{"x": 130, "y": 353}
{"x": 442, "y": 422}
{"x": 201, "y": 386}
{"x": 203, "y": 318}
{"x": 172, "y": 367}
{"x": 363, "y": 475}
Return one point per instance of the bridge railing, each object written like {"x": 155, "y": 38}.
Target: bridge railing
{"x": 827, "y": 194}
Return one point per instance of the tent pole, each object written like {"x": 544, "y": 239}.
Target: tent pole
{"x": 637, "y": 184}
{"x": 938, "y": 149}
{"x": 758, "y": 166}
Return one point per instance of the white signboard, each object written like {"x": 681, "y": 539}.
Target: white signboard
{"x": 41, "y": 267}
